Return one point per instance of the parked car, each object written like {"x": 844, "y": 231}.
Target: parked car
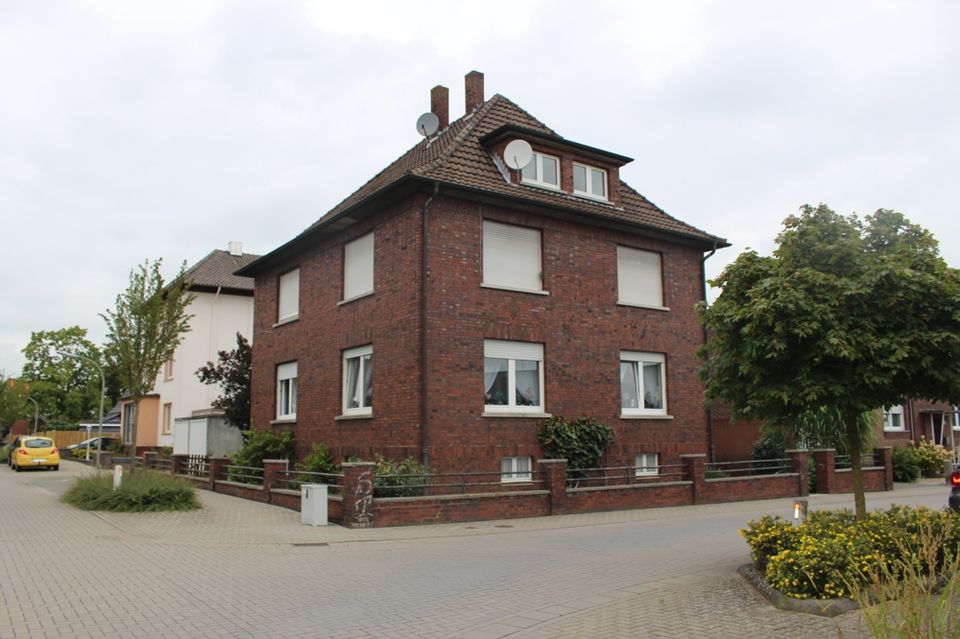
{"x": 954, "y": 499}
{"x": 34, "y": 452}
{"x": 103, "y": 442}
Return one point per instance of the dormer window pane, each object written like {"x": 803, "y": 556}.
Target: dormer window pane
{"x": 550, "y": 170}
{"x": 589, "y": 181}
{"x": 579, "y": 177}
{"x": 599, "y": 179}
{"x": 543, "y": 170}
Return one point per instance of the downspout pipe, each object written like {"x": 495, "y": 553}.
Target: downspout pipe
{"x": 424, "y": 288}
{"x": 703, "y": 278}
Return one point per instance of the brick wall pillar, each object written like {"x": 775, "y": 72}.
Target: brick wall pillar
{"x": 884, "y": 454}
{"x": 358, "y": 494}
{"x": 217, "y": 470}
{"x": 150, "y": 459}
{"x": 798, "y": 459}
{"x": 179, "y": 461}
{"x": 826, "y": 461}
{"x": 555, "y": 479}
{"x": 695, "y": 468}
{"x": 272, "y": 469}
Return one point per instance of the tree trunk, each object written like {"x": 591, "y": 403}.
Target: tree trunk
{"x": 855, "y": 446}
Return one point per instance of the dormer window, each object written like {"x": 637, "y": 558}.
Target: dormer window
{"x": 589, "y": 181}
{"x": 543, "y": 170}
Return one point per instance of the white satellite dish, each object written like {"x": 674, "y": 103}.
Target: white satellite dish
{"x": 427, "y": 124}
{"x": 517, "y": 154}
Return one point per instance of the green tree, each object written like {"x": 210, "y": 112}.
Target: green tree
{"x": 65, "y": 388}
{"x": 144, "y": 328}
{"x": 848, "y": 314}
{"x": 232, "y": 372}
{"x": 13, "y": 402}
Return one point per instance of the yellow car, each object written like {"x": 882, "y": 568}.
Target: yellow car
{"x": 34, "y": 452}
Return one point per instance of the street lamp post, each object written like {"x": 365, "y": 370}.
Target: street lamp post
{"x": 103, "y": 393}
{"x": 36, "y": 413}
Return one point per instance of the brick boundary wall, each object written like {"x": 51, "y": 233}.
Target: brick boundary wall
{"x": 357, "y": 507}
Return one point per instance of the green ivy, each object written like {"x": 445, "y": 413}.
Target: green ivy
{"x": 581, "y": 442}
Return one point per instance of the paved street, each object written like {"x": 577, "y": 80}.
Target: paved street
{"x": 241, "y": 569}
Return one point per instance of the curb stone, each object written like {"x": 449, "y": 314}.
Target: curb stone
{"x": 821, "y": 607}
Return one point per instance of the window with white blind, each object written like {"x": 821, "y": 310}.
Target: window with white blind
{"x": 642, "y": 384}
{"x": 358, "y": 267}
{"x": 639, "y": 279}
{"x": 955, "y": 417}
{"x": 543, "y": 170}
{"x": 358, "y": 381}
{"x": 513, "y": 469}
{"x": 511, "y": 257}
{"x": 512, "y": 377}
{"x": 589, "y": 181}
{"x": 646, "y": 464}
{"x": 893, "y": 418}
{"x": 287, "y": 391}
{"x": 289, "y": 297}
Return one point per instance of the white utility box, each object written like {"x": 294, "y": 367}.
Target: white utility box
{"x": 313, "y": 504}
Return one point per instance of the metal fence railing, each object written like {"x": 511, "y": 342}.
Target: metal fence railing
{"x": 749, "y": 468}
{"x": 294, "y": 479}
{"x": 243, "y": 474}
{"x": 867, "y": 460}
{"x": 465, "y": 483}
{"x": 624, "y": 475}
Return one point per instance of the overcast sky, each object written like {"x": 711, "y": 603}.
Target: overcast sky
{"x": 133, "y": 130}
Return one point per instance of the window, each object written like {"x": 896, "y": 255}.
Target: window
{"x": 128, "y": 426}
{"x": 511, "y": 257}
{"x": 358, "y": 381}
{"x": 287, "y": 391}
{"x": 512, "y": 377}
{"x": 893, "y": 418}
{"x": 647, "y": 464}
{"x": 642, "y": 384}
{"x": 639, "y": 282}
{"x": 955, "y": 418}
{"x": 168, "y": 369}
{"x": 167, "y": 418}
{"x": 589, "y": 181}
{"x": 543, "y": 170}
{"x": 515, "y": 469}
{"x": 358, "y": 267}
{"x": 289, "y": 298}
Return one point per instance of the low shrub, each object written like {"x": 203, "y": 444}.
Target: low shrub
{"x": 259, "y": 445}
{"x": 832, "y": 553}
{"x": 320, "y": 460}
{"x": 581, "y": 442}
{"x": 140, "y": 491}
{"x": 906, "y": 464}
{"x": 931, "y": 457}
{"x": 771, "y": 445}
{"x": 399, "y": 478}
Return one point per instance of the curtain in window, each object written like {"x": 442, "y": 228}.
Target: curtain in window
{"x": 354, "y": 389}
{"x": 652, "y": 390}
{"x": 368, "y": 381}
{"x": 528, "y": 383}
{"x": 629, "y": 393}
{"x": 495, "y": 381}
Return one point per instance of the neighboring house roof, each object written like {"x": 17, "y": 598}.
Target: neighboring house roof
{"x": 458, "y": 156}
{"x": 216, "y": 271}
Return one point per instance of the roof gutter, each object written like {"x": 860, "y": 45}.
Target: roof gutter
{"x": 424, "y": 288}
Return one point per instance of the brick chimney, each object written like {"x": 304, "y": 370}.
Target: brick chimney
{"x": 473, "y": 82}
{"x": 440, "y": 104}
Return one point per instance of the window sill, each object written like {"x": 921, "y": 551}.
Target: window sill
{"x": 632, "y": 416}
{"x": 514, "y": 482}
{"x": 646, "y": 306}
{"x": 287, "y": 320}
{"x": 894, "y": 430}
{"x": 592, "y": 198}
{"x": 355, "y": 298}
{"x": 341, "y": 418}
{"x": 514, "y": 290}
{"x": 542, "y": 185}
{"x": 517, "y": 414}
{"x": 284, "y": 420}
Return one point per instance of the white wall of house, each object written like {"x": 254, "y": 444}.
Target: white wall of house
{"x": 217, "y": 319}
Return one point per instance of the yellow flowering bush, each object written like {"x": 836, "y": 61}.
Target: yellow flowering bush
{"x": 822, "y": 558}
{"x": 931, "y": 457}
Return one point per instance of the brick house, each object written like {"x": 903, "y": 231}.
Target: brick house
{"x": 916, "y": 420}
{"x": 451, "y": 303}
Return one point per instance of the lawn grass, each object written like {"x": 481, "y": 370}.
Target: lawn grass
{"x": 141, "y": 491}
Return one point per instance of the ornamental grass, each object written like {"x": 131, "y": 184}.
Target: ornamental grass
{"x": 140, "y": 491}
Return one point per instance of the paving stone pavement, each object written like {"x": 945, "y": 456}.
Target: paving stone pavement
{"x": 241, "y": 569}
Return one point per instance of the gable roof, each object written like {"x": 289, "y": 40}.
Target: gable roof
{"x": 458, "y": 156}
{"x": 216, "y": 271}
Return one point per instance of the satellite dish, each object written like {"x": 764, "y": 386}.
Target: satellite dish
{"x": 427, "y": 124}
{"x": 517, "y": 154}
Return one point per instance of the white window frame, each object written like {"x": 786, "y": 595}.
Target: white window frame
{"x": 639, "y": 278}
{"x": 647, "y": 464}
{"x": 168, "y": 369}
{"x": 364, "y": 355}
{"x": 955, "y": 417}
{"x": 288, "y": 296}
{"x": 512, "y": 352}
{"x": 166, "y": 426}
{"x": 588, "y": 178}
{"x": 638, "y": 359}
{"x": 128, "y": 423}
{"x": 287, "y": 391}
{"x": 516, "y": 469}
{"x": 537, "y": 162}
{"x": 358, "y": 261}
{"x": 888, "y": 414}
{"x": 512, "y": 257}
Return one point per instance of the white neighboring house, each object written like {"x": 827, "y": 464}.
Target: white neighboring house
{"x": 223, "y": 306}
